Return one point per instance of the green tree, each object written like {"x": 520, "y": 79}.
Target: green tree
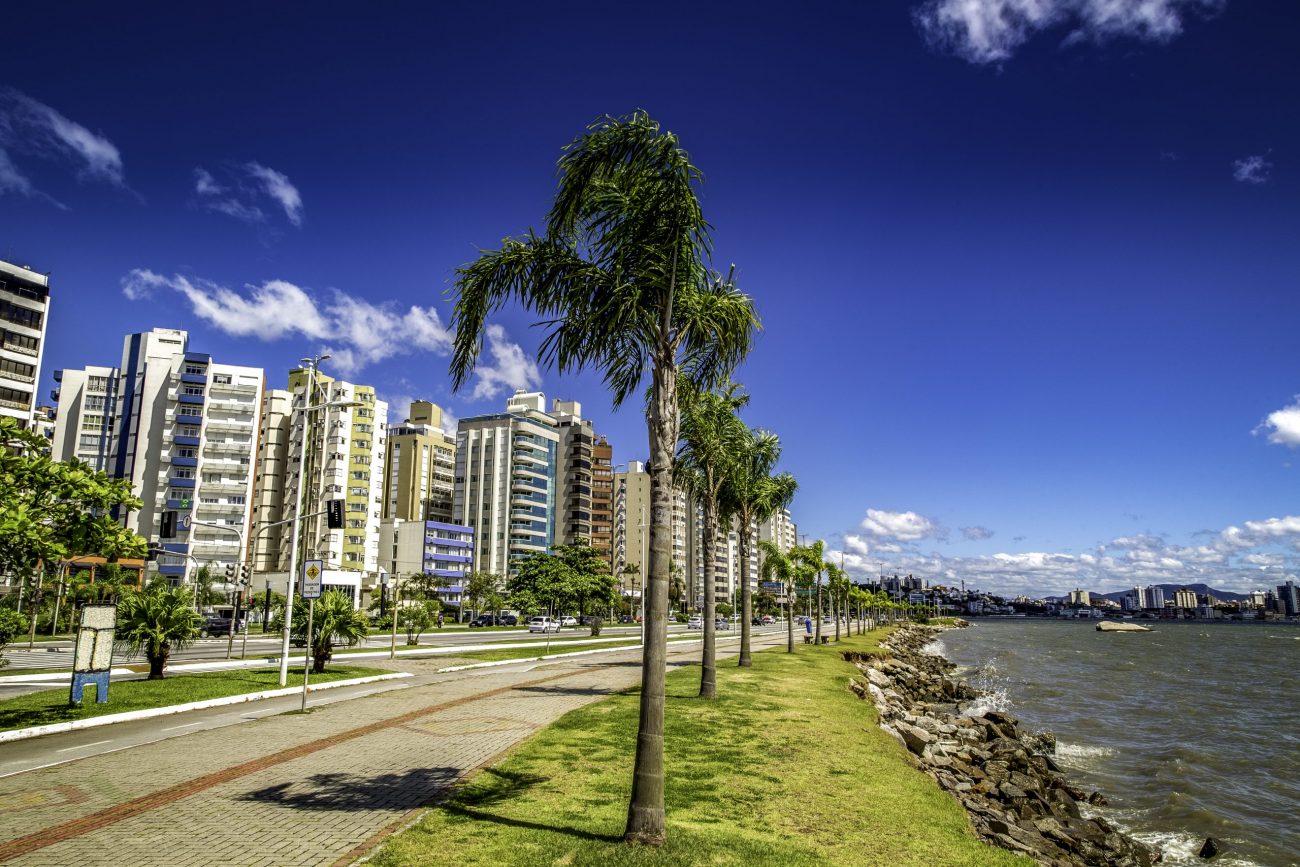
{"x": 621, "y": 279}
{"x": 776, "y": 565}
{"x": 334, "y": 618}
{"x": 155, "y": 622}
{"x": 12, "y": 625}
{"x": 753, "y": 494}
{"x": 711, "y": 440}
{"x": 480, "y": 589}
{"x": 205, "y": 591}
{"x": 811, "y": 560}
{"x": 52, "y": 510}
{"x": 837, "y": 586}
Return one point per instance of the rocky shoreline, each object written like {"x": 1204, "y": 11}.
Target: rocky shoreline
{"x": 1007, "y": 780}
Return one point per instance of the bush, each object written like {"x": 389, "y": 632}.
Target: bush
{"x": 12, "y": 625}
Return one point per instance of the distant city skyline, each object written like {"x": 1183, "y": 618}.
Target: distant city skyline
{"x": 1026, "y": 271}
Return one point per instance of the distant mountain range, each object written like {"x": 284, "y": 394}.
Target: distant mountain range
{"x": 1170, "y": 589}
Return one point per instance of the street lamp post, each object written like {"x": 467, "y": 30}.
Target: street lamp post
{"x": 312, "y": 364}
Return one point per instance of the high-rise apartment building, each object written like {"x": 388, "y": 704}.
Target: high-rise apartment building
{"x": 24, "y": 314}
{"x": 346, "y": 440}
{"x": 87, "y": 400}
{"x": 421, "y": 466}
{"x": 270, "y": 533}
{"x": 1184, "y": 598}
{"x": 631, "y": 536}
{"x": 183, "y": 429}
{"x": 508, "y": 482}
{"x": 1153, "y": 598}
{"x": 602, "y": 499}
{"x": 1288, "y": 597}
{"x": 575, "y": 455}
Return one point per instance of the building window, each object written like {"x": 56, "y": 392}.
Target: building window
{"x": 221, "y": 379}
{"x": 97, "y": 383}
{"x": 92, "y": 422}
{"x": 193, "y": 389}
{"x": 195, "y": 369}
{"x": 182, "y": 473}
{"x": 89, "y": 441}
{"x": 185, "y": 452}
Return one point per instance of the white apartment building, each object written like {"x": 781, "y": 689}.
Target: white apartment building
{"x": 183, "y": 429}
{"x": 631, "y": 536}
{"x": 87, "y": 400}
{"x": 507, "y": 482}
{"x": 24, "y": 316}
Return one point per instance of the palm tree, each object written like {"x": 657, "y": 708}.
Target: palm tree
{"x": 156, "y": 621}
{"x": 333, "y": 617}
{"x": 754, "y": 494}
{"x": 837, "y": 583}
{"x": 711, "y": 437}
{"x": 621, "y": 278}
{"x": 813, "y": 559}
{"x": 778, "y": 566}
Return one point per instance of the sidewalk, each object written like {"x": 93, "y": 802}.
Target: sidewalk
{"x": 282, "y": 790}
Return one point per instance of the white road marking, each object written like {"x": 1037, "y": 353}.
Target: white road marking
{"x": 186, "y": 726}
{"x": 83, "y": 746}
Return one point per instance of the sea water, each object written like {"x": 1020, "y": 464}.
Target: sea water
{"x": 1191, "y": 730}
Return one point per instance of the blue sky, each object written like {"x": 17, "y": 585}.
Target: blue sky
{"x": 1027, "y": 268}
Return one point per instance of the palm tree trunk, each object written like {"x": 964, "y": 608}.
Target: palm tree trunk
{"x": 645, "y": 812}
{"x": 817, "y": 614}
{"x": 835, "y": 606}
{"x": 709, "y": 656}
{"x": 746, "y": 599}
{"x": 789, "y": 617}
{"x": 157, "y": 662}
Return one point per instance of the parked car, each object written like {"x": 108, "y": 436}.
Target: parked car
{"x": 507, "y": 620}
{"x": 766, "y": 620}
{"x": 543, "y": 624}
{"x": 216, "y": 626}
{"x": 696, "y": 622}
{"x": 483, "y": 620}
{"x": 568, "y": 620}
{"x": 625, "y": 618}
{"x": 721, "y": 623}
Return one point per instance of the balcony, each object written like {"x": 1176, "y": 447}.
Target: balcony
{"x": 184, "y": 416}
{"x": 185, "y": 441}
{"x": 182, "y": 462}
{"x": 180, "y": 483}
{"x": 190, "y": 399}
{"x": 194, "y": 378}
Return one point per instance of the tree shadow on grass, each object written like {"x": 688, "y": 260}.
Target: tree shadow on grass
{"x": 496, "y": 786}
{"x": 339, "y": 791}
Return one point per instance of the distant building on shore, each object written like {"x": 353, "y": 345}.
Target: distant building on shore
{"x": 1288, "y": 599}
{"x": 1080, "y": 597}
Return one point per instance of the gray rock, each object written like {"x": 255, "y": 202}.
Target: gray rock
{"x": 1210, "y": 849}
{"x": 916, "y": 739}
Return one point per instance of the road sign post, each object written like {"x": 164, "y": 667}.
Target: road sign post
{"x": 312, "y": 572}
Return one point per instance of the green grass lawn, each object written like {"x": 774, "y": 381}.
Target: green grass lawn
{"x": 786, "y": 767}
{"x": 51, "y": 706}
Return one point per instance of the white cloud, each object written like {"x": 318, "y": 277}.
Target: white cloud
{"x": 277, "y": 186}
{"x": 977, "y": 533}
{"x": 140, "y": 283}
{"x": 355, "y": 332}
{"x": 902, "y": 526}
{"x": 30, "y": 127}
{"x": 241, "y": 190}
{"x": 1255, "y": 555}
{"x": 510, "y": 367}
{"x": 855, "y": 544}
{"x": 989, "y": 31}
{"x": 1252, "y": 170}
{"x": 11, "y": 179}
{"x": 1283, "y": 426}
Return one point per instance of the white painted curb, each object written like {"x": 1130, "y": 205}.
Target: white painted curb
{"x": 497, "y": 662}
{"x": 129, "y": 716}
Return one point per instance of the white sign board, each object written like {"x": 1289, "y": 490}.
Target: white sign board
{"x": 312, "y": 570}
{"x": 94, "y": 649}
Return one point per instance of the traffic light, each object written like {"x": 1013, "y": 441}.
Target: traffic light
{"x": 168, "y": 530}
{"x": 230, "y": 572}
{"x": 243, "y": 573}
{"x": 334, "y": 514}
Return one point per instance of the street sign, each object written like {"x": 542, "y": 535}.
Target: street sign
{"x": 186, "y": 522}
{"x": 311, "y": 578}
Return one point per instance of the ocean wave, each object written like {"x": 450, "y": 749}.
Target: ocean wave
{"x": 1181, "y": 849}
{"x": 935, "y": 648}
{"x": 1081, "y": 751}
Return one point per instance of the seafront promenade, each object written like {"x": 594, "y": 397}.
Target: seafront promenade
{"x": 287, "y": 789}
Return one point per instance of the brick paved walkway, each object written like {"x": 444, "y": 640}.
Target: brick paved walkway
{"x": 291, "y": 790}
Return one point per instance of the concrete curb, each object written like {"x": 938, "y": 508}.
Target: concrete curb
{"x": 147, "y": 713}
{"x": 497, "y": 662}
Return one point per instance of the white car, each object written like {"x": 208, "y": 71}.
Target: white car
{"x": 696, "y": 622}
{"x": 568, "y": 621}
{"x": 543, "y": 624}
